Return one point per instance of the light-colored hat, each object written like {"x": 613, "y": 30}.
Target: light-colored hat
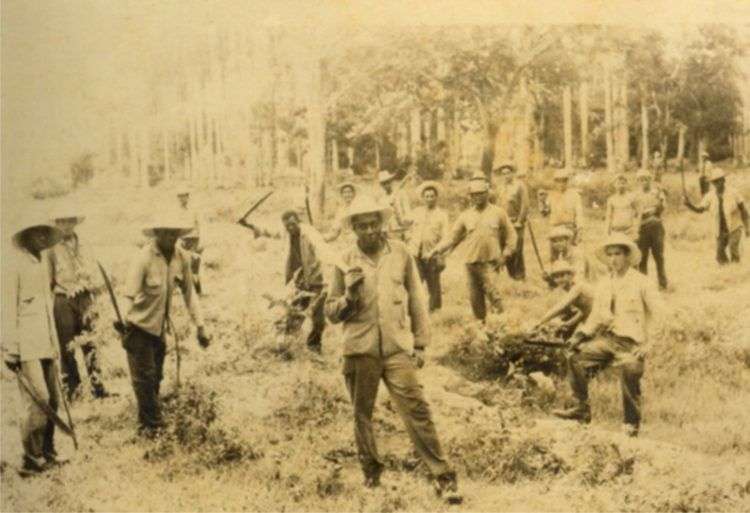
{"x": 716, "y": 174}
{"x": 386, "y": 176}
{"x": 561, "y": 266}
{"x": 620, "y": 176}
{"x": 61, "y": 214}
{"x": 561, "y": 174}
{"x": 643, "y": 173}
{"x": 478, "y": 183}
{"x": 430, "y": 184}
{"x": 558, "y": 232}
{"x": 344, "y": 185}
{"x": 365, "y": 205}
{"x": 35, "y": 220}
{"x": 183, "y": 191}
{"x": 619, "y": 239}
{"x": 170, "y": 221}
{"x": 506, "y": 169}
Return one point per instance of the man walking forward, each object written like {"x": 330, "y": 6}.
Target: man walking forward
{"x": 386, "y": 328}
{"x": 651, "y": 235}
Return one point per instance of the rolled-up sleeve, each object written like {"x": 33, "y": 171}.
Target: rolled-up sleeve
{"x": 188, "y": 292}
{"x": 337, "y": 307}
{"x": 134, "y": 281}
{"x": 420, "y": 319}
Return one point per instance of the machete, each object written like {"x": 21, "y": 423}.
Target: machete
{"x": 111, "y": 291}
{"x": 46, "y": 408}
{"x": 255, "y": 205}
{"x": 536, "y": 248}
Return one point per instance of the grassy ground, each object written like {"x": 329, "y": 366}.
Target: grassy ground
{"x": 255, "y": 428}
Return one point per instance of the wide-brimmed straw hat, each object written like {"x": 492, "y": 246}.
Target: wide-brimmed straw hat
{"x": 559, "y": 232}
{"x": 619, "y": 239}
{"x": 505, "y": 169}
{"x": 386, "y": 176}
{"x": 430, "y": 184}
{"x": 344, "y": 185}
{"x": 169, "y": 221}
{"x": 561, "y": 266}
{"x": 643, "y": 173}
{"x": 561, "y": 174}
{"x": 59, "y": 215}
{"x": 31, "y": 221}
{"x": 183, "y": 191}
{"x": 365, "y": 205}
{"x": 716, "y": 174}
{"x": 478, "y": 183}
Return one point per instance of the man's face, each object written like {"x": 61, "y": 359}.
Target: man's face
{"x": 645, "y": 182}
{"x": 621, "y": 185}
{"x": 347, "y": 194}
{"x": 387, "y": 186}
{"x": 617, "y": 258}
{"x": 563, "y": 280}
{"x": 561, "y": 184}
{"x": 719, "y": 185}
{"x": 368, "y": 229}
{"x": 430, "y": 197}
{"x": 166, "y": 238}
{"x": 291, "y": 223}
{"x": 184, "y": 198}
{"x": 36, "y": 240}
{"x": 508, "y": 177}
{"x": 66, "y": 226}
{"x": 479, "y": 199}
{"x": 559, "y": 244}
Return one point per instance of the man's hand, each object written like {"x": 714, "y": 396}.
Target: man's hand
{"x": 641, "y": 351}
{"x": 353, "y": 280}
{"x": 12, "y": 361}
{"x": 121, "y": 327}
{"x": 576, "y": 339}
{"x": 550, "y": 281}
{"x": 204, "y": 339}
{"x": 418, "y": 357}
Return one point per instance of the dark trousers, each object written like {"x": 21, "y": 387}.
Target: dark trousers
{"x": 362, "y": 374}
{"x": 37, "y": 431}
{"x": 71, "y": 322}
{"x": 483, "y": 286}
{"x": 146, "y": 361}
{"x": 317, "y": 315}
{"x": 429, "y": 272}
{"x": 651, "y": 239}
{"x": 515, "y": 264}
{"x": 731, "y": 241}
{"x": 600, "y": 353}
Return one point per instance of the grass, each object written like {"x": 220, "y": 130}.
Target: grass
{"x": 254, "y": 431}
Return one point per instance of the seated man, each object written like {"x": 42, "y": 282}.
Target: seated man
{"x": 574, "y": 308}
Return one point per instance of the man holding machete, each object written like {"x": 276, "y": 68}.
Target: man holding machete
{"x": 30, "y": 341}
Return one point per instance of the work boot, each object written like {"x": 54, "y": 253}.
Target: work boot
{"x": 53, "y": 460}
{"x": 581, "y": 413}
{"x": 31, "y": 467}
{"x": 446, "y": 487}
{"x": 372, "y": 476}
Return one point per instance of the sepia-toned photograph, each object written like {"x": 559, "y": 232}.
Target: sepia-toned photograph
{"x": 359, "y": 256}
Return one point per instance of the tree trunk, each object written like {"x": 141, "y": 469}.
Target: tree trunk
{"x": 488, "y": 150}
{"x": 644, "y": 132}
{"x": 350, "y": 155}
{"x": 608, "y": 120}
{"x": 440, "y": 113}
{"x": 583, "y": 106}
{"x": 335, "y": 156}
{"x": 167, "y": 151}
{"x": 378, "y": 162}
{"x": 316, "y": 141}
{"x": 568, "y": 127}
{"x": 415, "y": 134}
{"x": 681, "y": 146}
{"x": 623, "y": 133}
{"x": 523, "y": 149}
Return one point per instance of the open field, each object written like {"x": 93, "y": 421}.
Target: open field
{"x": 266, "y": 432}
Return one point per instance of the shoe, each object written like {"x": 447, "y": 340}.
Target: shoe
{"x": 446, "y": 487}
{"x": 31, "y": 467}
{"x": 580, "y": 413}
{"x": 372, "y": 476}
{"x": 52, "y": 460}
{"x": 630, "y": 430}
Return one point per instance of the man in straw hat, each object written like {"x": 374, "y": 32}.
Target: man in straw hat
{"x": 563, "y": 206}
{"x": 490, "y": 241}
{"x": 430, "y": 227}
{"x": 515, "y": 201}
{"x": 651, "y": 200}
{"x": 728, "y": 208}
{"x": 73, "y": 280}
{"x": 191, "y": 242}
{"x": 399, "y": 203}
{"x": 623, "y": 213}
{"x": 615, "y": 333}
{"x": 158, "y": 268}
{"x": 576, "y": 304}
{"x": 347, "y": 191}
{"x": 30, "y": 339}
{"x": 378, "y": 299}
